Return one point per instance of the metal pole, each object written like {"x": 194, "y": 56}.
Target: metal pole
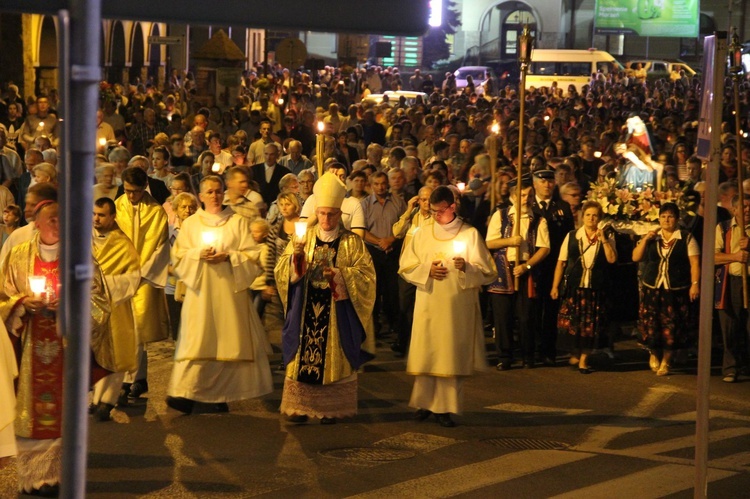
{"x": 736, "y": 71}
{"x": 76, "y": 264}
{"x": 524, "y": 46}
{"x": 702, "y": 407}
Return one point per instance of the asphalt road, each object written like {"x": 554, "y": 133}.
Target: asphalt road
{"x": 547, "y": 432}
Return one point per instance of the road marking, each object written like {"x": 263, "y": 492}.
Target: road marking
{"x": 475, "y": 476}
{"x": 599, "y": 437}
{"x": 651, "y": 483}
{"x": 683, "y": 442}
{"x": 537, "y": 409}
{"x": 739, "y": 461}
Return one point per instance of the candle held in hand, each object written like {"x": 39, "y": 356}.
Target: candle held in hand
{"x": 37, "y": 285}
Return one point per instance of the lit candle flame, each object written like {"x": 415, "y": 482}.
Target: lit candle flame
{"x": 216, "y": 167}
{"x": 300, "y": 229}
{"x": 37, "y": 284}
{"x": 546, "y": 118}
{"x": 597, "y": 154}
{"x": 321, "y": 126}
{"x": 102, "y": 141}
{"x": 280, "y": 101}
{"x": 208, "y": 237}
{"x": 459, "y": 247}
{"x": 41, "y": 124}
{"x": 461, "y": 186}
{"x": 495, "y": 128}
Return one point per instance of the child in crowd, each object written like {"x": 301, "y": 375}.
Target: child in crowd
{"x": 11, "y": 219}
{"x": 263, "y": 289}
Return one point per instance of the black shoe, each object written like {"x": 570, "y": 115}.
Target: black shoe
{"x": 221, "y": 407}
{"x": 445, "y": 420}
{"x": 548, "y": 362}
{"x": 503, "y": 366}
{"x": 585, "y": 370}
{"x": 103, "y": 412}
{"x": 422, "y": 414}
{"x": 297, "y": 418}
{"x": 122, "y": 399}
{"x": 181, "y": 404}
{"x": 92, "y": 408}
{"x": 397, "y": 349}
{"x": 138, "y": 388}
{"x": 327, "y": 420}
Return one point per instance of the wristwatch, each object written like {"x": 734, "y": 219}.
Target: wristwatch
{"x": 528, "y": 267}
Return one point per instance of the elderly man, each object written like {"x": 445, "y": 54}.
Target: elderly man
{"x": 221, "y": 351}
{"x": 352, "y": 215}
{"x": 326, "y": 284}
{"x": 447, "y": 342}
{"x": 120, "y": 265}
{"x": 144, "y": 221}
{"x": 295, "y": 160}
{"x": 269, "y": 173}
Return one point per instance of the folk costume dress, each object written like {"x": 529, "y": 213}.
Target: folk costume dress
{"x": 664, "y": 315}
{"x": 39, "y": 354}
{"x": 447, "y": 338}
{"x": 583, "y": 314}
{"x": 328, "y": 331}
{"x": 220, "y": 355}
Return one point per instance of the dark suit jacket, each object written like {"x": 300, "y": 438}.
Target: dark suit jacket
{"x": 269, "y": 190}
{"x": 158, "y": 190}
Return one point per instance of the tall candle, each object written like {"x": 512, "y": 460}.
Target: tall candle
{"x": 300, "y": 229}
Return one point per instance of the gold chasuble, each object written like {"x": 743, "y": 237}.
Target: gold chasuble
{"x": 121, "y": 267}
{"x": 146, "y": 226}
{"x": 36, "y": 338}
{"x": 318, "y": 322}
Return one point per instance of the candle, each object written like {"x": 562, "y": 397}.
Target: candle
{"x": 321, "y": 126}
{"x": 461, "y": 186}
{"x": 209, "y": 238}
{"x": 597, "y": 154}
{"x": 41, "y": 125}
{"x": 459, "y": 248}
{"x": 280, "y": 101}
{"x": 546, "y": 118}
{"x": 102, "y": 142}
{"x": 216, "y": 167}
{"x": 300, "y": 229}
{"x": 495, "y": 128}
{"x": 37, "y": 285}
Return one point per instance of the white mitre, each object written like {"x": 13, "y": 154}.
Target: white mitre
{"x": 329, "y": 191}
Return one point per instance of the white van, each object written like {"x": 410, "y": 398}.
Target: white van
{"x": 568, "y": 67}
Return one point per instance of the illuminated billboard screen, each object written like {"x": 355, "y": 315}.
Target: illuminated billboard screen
{"x": 675, "y": 18}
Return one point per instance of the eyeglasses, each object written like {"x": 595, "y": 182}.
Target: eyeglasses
{"x": 441, "y": 211}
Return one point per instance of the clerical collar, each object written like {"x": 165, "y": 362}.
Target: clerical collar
{"x": 327, "y": 235}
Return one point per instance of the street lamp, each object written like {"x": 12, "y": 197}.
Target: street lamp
{"x": 525, "y": 45}
{"x": 735, "y": 71}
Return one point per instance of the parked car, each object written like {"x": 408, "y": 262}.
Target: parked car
{"x": 661, "y": 68}
{"x": 480, "y": 74}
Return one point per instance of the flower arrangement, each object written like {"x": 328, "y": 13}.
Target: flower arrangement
{"x": 635, "y": 211}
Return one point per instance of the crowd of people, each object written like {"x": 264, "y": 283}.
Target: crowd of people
{"x": 400, "y": 227}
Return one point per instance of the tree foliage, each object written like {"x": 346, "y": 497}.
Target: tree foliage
{"x": 435, "y": 43}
